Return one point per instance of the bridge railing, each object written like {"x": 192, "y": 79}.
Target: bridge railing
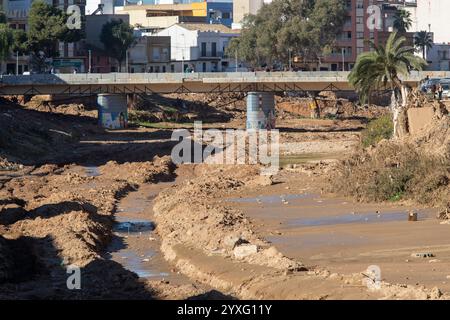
{"x": 124, "y": 78}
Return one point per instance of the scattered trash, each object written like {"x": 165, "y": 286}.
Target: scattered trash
{"x": 412, "y": 216}
{"x": 422, "y": 255}
{"x": 245, "y": 250}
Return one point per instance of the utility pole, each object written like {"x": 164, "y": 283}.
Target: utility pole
{"x": 343, "y": 59}
{"x": 90, "y": 62}
{"x": 182, "y": 53}
{"x": 290, "y": 60}
{"x": 236, "y": 61}
{"x": 17, "y": 63}
{"x": 126, "y": 61}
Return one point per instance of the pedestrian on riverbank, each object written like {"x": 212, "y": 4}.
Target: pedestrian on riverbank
{"x": 440, "y": 91}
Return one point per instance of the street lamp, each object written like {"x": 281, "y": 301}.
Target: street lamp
{"x": 90, "y": 61}
{"x": 182, "y": 53}
{"x": 290, "y": 59}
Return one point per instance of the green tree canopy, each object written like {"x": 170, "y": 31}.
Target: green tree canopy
{"x": 6, "y": 41}
{"x": 2, "y": 17}
{"x": 19, "y": 43}
{"x": 402, "y": 21}
{"x": 117, "y": 37}
{"x": 306, "y": 28}
{"x": 423, "y": 40}
{"x": 46, "y": 26}
{"x": 383, "y": 67}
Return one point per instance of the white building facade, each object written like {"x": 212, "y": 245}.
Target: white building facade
{"x": 200, "y": 47}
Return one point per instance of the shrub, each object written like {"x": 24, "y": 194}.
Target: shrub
{"x": 377, "y": 130}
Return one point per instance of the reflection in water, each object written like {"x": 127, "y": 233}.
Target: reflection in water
{"x": 349, "y": 218}
{"x": 92, "y": 171}
{"x": 134, "y": 225}
{"x": 140, "y": 264}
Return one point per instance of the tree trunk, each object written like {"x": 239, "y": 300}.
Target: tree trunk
{"x": 399, "y": 115}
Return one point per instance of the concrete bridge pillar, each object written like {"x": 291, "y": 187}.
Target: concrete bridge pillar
{"x": 260, "y": 110}
{"x": 112, "y": 111}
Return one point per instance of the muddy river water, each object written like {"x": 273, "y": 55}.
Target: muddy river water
{"x": 348, "y": 237}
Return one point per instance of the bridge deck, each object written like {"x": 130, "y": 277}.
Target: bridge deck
{"x": 76, "y": 84}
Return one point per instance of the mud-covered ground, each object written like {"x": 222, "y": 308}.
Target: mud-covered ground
{"x": 65, "y": 183}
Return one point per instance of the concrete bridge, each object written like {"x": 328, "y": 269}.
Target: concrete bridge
{"x": 128, "y": 83}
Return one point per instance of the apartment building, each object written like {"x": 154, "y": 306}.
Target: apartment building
{"x": 200, "y": 47}
{"x": 362, "y": 24}
{"x": 157, "y": 15}
{"x": 71, "y": 55}
{"x": 16, "y": 12}
{"x": 150, "y": 54}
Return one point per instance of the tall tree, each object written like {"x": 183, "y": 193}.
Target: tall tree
{"x": 383, "y": 68}
{"x": 6, "y": 40}
{"x": 2, "y": 17}
{"x": 305, "y": 28}
{"x": 117, "y": 37}
{"x": 402, "y": 20}
{"x": 46, "y": 25}
{"x": 423, "y": 41}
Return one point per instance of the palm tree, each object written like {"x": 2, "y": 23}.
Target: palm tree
{"x": 402, "y": 21}
{"x": 382, "y": 69}
{"x": 424, "y": 41}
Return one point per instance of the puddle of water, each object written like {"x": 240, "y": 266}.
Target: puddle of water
{"x": 350, "y": 218}
{"x": 134, "y": 225}
{"x": 92, "y": 171}
{"x": 275, "y": 199}
{"x": 140, "y": 264}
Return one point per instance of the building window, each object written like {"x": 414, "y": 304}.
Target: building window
{"x": 203, "y": 54}
{"x": 164, "y": 69}
{"x": 226, "y": 15}
{"x": 204, "y": 67}
{"x": 214, "y": 49}
{"x": 172, "y": 68}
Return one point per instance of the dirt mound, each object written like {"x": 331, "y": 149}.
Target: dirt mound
{"x": 329, "y": 107}
{"x": 157, "y": 170}
{"x": 183, "y": 108}
{"x": 28, "y": 136}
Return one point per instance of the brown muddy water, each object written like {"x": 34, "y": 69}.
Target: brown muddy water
{"x": 135, "y": 244}
{"x": 347, "y": 237}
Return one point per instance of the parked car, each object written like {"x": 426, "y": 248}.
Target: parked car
{"x": 429, "y": 84}
{"x": 446, "y": 89}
